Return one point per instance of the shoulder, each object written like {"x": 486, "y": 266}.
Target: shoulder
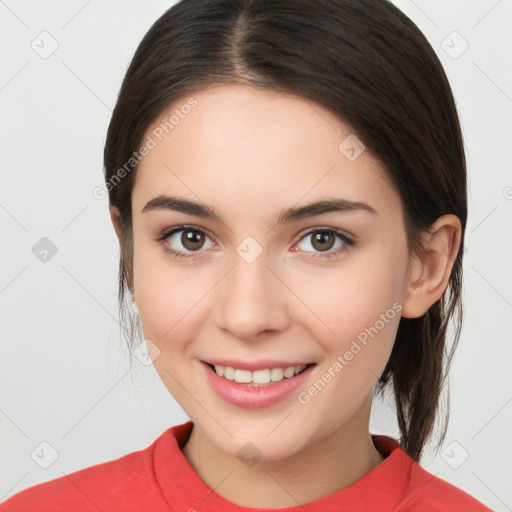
{"x": 430, "y": 493}
{"x": 418, "y": 490}
{"x": 126, "y": 483}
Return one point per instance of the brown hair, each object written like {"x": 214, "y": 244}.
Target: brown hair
{"x": 367, "y": 63}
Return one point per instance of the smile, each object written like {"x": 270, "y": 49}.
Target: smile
{"x": 242, "y": 387}
{"x": 258, "y": 377}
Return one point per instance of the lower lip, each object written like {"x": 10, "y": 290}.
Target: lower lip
{"x": 252, "y": 397}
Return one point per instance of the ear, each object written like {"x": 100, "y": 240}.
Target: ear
{"x": 429, "y": 275}
{"x": 116, "y": 221}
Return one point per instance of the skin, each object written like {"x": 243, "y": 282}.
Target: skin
{"x": 249, "y": 154}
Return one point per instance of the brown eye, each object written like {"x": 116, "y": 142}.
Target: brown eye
{"x": 186, "y": 240}
{"x": 322, "y": 240}
{"x": 192, "y": 240}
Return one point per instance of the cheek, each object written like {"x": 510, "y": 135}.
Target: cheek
{"x": 166, "y": 295}
{"x": 351, "y": 297}
{"x": 355, "y": 311}
{"x": 359, "y": 315}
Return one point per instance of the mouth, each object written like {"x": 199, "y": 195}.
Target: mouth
{"x": 258, "y": 378}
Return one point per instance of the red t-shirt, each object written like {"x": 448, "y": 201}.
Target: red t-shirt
{"x": 159, "y": 478}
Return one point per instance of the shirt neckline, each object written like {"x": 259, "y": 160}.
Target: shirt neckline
{"x": 383, "y": 487}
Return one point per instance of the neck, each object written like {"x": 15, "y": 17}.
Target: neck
{"x": 331, "y": 463}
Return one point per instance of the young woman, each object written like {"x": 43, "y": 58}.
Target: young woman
{"x": 287, "y": 181}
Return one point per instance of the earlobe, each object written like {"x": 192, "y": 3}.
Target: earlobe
{"x": 430, "y": 275}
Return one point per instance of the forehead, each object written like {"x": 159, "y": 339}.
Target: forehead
{"x": 245, "y": 146}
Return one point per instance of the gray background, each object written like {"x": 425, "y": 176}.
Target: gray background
{"x": 65, "y": 373}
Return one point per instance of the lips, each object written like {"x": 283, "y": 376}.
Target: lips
{"x": 251, "y": 395}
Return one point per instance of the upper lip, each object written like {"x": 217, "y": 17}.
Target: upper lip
{"x": 255, "y": 365}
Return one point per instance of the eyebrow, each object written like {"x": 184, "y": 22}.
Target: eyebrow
{"x": 287, "y": 216}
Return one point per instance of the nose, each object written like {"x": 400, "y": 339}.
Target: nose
{"x": 252, "y": 300}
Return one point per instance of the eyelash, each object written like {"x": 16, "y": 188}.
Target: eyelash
{"x": 347, "y": 242}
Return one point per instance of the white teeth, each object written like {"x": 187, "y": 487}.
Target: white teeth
{"x": 243, "y": 376}
{"x": 261, "y": 376}
{"x": 229, "y": 373}
{"x": 289, "y": 372}
{"x": 258, "y": 376}
{"x": 276, "y": 374}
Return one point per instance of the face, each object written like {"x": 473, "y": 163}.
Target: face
{"x": 256, "y": 286}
